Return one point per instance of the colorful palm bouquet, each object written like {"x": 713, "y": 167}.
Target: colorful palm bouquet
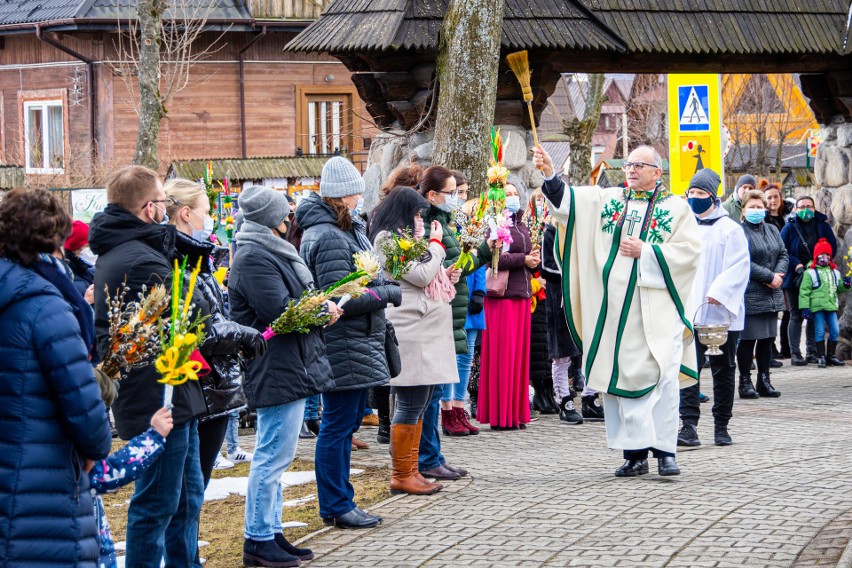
{"x": 311, "y": 310}
{"x": 537, "y": 218}
{"x": 133, "y": 330}
{"x": 470, "y": 232}
{"x": 492, "y": 207}
{"x": 179, "y": 360}
{"x": 401, "y": 251}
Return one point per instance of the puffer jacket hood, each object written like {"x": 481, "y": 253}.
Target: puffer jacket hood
{"x": 116, "y": 226}
{"x": 313, "y": 211}
{"x": 18, "y": 283}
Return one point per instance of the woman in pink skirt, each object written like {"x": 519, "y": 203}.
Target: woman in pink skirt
{"x": 505, "y": 365}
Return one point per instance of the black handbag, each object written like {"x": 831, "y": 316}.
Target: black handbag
{"x": 392, "y": 350}
{"x": 797, "y": 279}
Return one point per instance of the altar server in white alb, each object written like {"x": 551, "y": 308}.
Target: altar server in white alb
{"x": 718, "y": 294}
{"x": 628, "y": 258}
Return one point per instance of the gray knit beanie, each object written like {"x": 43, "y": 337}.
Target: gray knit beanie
{"x": 340, "y": 178}
{"x": 747, "y": 178}
{"x": 706, "y": 180}
{"x": 264, "y": 206}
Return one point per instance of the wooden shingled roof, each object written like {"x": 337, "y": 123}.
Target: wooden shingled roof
{"x": 380, "y": 25}
{"x": 677, "y": 27}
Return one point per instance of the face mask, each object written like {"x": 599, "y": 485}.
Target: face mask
{"x": 451, "y": 202}
{"x": 805, "y": 214}
{"x": 165, "y": 220}
{"x": 700, "y": 204}
{"x": 419, "y": 230}
{"x": 513, "y": 203}
{"x": 203, "y": 235}
{"x": 358, "y": 207}
{"x": 823, "y": 260}
{"x": 87, "y": 255}
{"x": 755, "y": 216}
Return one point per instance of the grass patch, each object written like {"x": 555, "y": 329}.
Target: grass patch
{"x": 222, "y": 520}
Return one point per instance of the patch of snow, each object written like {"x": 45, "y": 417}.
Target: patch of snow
{"x": 223, "y": 487}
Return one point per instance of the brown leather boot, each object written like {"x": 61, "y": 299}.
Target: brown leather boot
{"x": 415, "y": 455}
{"x": 402, "y": 481}
{"x": 461, "y": 418}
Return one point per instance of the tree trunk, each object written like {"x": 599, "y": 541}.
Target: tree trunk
{"x": 468, "y": 60}
{"x": 151, "y": 110}
{"x": 580, "y": 132}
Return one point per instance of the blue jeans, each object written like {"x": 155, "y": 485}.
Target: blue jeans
{"x": 341, "y": 417}
{"x": 430, "y": 441}
{"x": 162, "y": 520}
{"x": 277, "y": 435}
{"x": 823, "y": 319}
{"x": 312, "y": 407}
{"x": 457, "y": 391}
{"x": 232, "y": 433}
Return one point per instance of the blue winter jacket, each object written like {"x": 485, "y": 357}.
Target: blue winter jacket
{"x": 798, "y": 252}
{"x": 476, "y": 287}
{"x": 51, "y": 420}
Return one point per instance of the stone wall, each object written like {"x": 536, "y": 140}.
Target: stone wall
{"x": 394, "y": 148}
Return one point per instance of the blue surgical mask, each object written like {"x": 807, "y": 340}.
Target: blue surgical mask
{"x": 755, "y": 216}
{"x": 203, "y": 235}
{"x": 513, "y": 203}
{"x": 358, "y": 207}
{"x": 700, "y": 204}
{"x": 451, "y": 202}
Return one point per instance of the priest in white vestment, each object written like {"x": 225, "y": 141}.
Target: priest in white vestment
{"x": 629, "y": 257}
{"x": 719, "y": 296}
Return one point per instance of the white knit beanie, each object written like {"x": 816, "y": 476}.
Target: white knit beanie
{"x": 340, "y": 178}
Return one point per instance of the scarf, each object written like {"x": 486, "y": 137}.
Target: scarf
{"x": 251, "y": 232}
{"x": 59, "y": 274}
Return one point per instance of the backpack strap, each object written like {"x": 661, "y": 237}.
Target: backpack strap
{"x": 815, "y": 281}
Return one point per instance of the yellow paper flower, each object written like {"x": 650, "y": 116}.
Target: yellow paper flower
{"x": 405, "y": 244}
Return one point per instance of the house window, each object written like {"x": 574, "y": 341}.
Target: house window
{"x": 325, "y": 120}
{"x": 44, "y": 137}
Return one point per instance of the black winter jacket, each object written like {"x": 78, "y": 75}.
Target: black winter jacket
{"x": 540, "y": 368}
{"x": 224, "y": 340}
{"x": 559, "y": 341}
{"x": 295, "y": 365}
{"x": 451, "y": 244}
{"x": 52, "y": 419}
{"x": 799, "y": 252}
{"x": 140, "y": 253}
{"x": 768, "y": 256}
{"x": 356, "y": 343}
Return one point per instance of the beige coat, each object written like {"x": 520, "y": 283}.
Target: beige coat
{"x": 424, "y": 328}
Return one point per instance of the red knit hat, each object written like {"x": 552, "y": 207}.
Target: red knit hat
{"x": 822, "y": 247}
{"x": 79, "y": 236}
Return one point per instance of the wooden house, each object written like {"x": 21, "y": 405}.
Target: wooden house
{"x": 67, "y": 91}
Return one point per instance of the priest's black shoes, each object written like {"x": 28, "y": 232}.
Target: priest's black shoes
{"x": 632, "y": 468}
{"x": 666, "y": 465}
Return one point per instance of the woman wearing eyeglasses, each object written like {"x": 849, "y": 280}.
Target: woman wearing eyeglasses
{"x": 438, "y": 185}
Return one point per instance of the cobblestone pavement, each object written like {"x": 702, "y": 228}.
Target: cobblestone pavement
{"x": 780, "y": 496}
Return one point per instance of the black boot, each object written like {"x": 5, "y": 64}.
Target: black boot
{"x": 765, "y": 388}
{"x": 746, "y": 388}
{"x": 578, "y": 380}
{"x": 667, "y": 465}
{"x": 284, "y": 544}
{"x": 593, "y": 408}
{"x": 568, "y": 413}
{"x": 632, "y": 468}
{"x": 313, "y": 426}
{"x": 540, "y": 397}
{"x": 305, "y": 432}
{"x": 820, "y": 349}
{"x": 829, "y": 356}
{"x": 267, "y": 553}
{"x": 797, "y": 360}
{"x": 688, "y": 436}
{"x": 720, "y": 433}
{"x": 549, "y": 396}
{"x": 383, "y": 435}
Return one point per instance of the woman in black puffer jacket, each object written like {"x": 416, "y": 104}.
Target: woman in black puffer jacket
{"x": 763, "y": 296}
{"x": 356, "y": 343}
{"x": 225, "y": 340}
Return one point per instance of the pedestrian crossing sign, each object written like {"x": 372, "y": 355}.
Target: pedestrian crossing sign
{"x": 694, "y": 108}
{"x": 695, "y": 128}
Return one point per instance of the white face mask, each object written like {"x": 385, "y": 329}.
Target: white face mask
{"x": 203, "y": 235}
{"x": 87, "y": 255}
{"x": 513, "y": 203}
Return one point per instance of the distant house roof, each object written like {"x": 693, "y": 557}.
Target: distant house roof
{"x": 380, "y": 25}
{"x": 744, "y": 158}
{"x": 687, "y": 27}
{"x": 559, "y": 153}
{"x": 251, "y": 168}
{"x": 11, "y": 177}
